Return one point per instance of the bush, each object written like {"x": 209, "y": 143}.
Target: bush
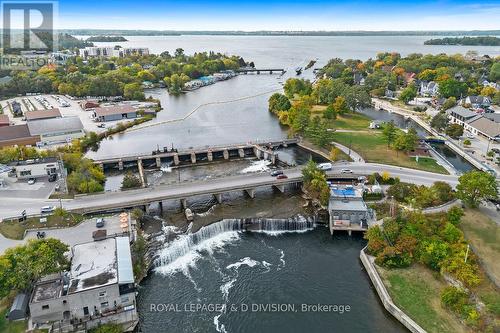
{"x": 454, "y": 215}
{"x": 454, "y": 298}
{"x": 131, "y": 181}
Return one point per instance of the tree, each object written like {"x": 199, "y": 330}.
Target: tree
{"x": 476, "y": 186}
{"x": 439, "y": 121}
{"x": 449, "y": 103}
{"x": 408, "y": 93}
{"x": 389, "y": 132}
{"x": 131, "y": 181}
{"x": 297, "y": 86}
{"x": 334, "y": 153}
{"x": 330, "y": 112}
{"x": 467, "y": 142}
{"x": 454, "y": 215}
{"x": 315, "y": 182}
{"x": 495, "y": 72}
{"x": 340, "y": 105}
{"x": 133, "y": 91}
{"x": 451, "y": 87}
{"x": 454, "y": 131}
{"x": 175, "y": 83}
{"x": 278, "y": 102}
{"x": 443, "y": 191}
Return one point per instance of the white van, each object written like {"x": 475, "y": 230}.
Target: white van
{"x": 325, "y": 166}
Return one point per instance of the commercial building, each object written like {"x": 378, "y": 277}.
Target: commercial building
{"x": 17, "y": 135}
{"x": 42, "y": 114}
{"x": 347, "y": 209}
{"x": 4, "y": 120}
{"x": 99, "y": 288}
{"x": 112, "y": 113}
{"x": 57, "y": 130}
{"x": 486, "y": 125}
{"x": 110, "y": 51}
{"x": 38, "y": 168}
{"x": 460, "y": 115}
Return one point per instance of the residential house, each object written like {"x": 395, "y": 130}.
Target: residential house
{"x": 99, "y": 288}
{"x": 17, "y": 135}
{"x": 42, "y": 114}
{"x": 460, "y": 115}
{"x": 359, "y": 79}
{"x": 347, "y": 209}
{"x": 57, "y": 130}
{"x": 409, "y": 77}
{"x": 476, "y": 102}
{"x": 390, "y": 94}
{"x": 429, "y": 89}
{"x": 117, "y": 112}
{"x": 38, "y": 168}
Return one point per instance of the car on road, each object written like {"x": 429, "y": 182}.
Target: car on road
{"x": 101, "y": 125}
{"x": 31, "y": 181}
{"x": 53, "y": 177}
{"x": 276, "y": 173}
{"x": 282, "y": 176}
{"x": 99, "y": 223}
{"x": 346, "y": 171}
{"x": 325, "y": 166}
{"x": 47, "y": 209}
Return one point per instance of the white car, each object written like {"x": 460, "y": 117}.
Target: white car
{"x": 31, "y": 181}
{"x": 325, "y": 166}
{"x": 47, "y": 209}
{"x": 346, "y": 171}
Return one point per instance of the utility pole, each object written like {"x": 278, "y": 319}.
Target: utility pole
{"x": 466, "y": 253}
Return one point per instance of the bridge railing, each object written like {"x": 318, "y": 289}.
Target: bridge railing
{"x": 196, "y": 149}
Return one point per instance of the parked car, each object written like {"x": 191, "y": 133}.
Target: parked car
{"x": 31, "y": 181}
{"x": 276, "y": 173}
{"x": 325, "y": 166}
{"x": 47, "y": 209}
{"x": 99, "y": 223}
{"x": 282, "y": 176}
{"x": 101, "y": 125}
{"x": 346, "y": 171}
{"x": 53, "y": 177}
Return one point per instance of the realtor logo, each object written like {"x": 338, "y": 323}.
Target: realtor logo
{"x": 28, "y": 33}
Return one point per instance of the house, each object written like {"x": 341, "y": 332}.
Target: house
{"x": 359, "y": 79}
{"x": 485, "y": 125}
{"x": 17, "y": 135}
{"x": 429, "y": 89}
{"x": 16, "y": 109}
{"x": 460, "y": 115}
{"x": 348, "y": 210}
{"x": 57, "y": 130}
{"x": 390, "y": 93}
{"x": 99, "y": 288}
{"x": 437, "y": 103}
{"x": 409, "y": 77}
{"x": 4, "y": 120}
{"x": 42, "y": 114}
{"x": 117, "y": 112}
{"x": 38, "y": 168}
{"x": 476, "y": 102}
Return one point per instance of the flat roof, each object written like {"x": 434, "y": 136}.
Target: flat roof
{"x": 14, "y": 132}
{"x": 124, "y": 258}
{"x": 55, "y": 125}
{"x": 347, "y": 205}
{"x": 34, "y": 161}
{"x": 461, "y": 111}
{"x": 111, "y": 110}
{"x": 42, "y": 114}
{"x": 50, "y": 287}
{"x": 94, "y": 264}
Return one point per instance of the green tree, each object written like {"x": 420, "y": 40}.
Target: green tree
{"x": 439, "y": 121}
{"x": 340, "y": 105}
{"x": 452, "y": 88}
{"x": 278, "y": 102}
{"x": 330, "y": 112}
{"x": 315, "y": 182}
{"x": 408, "y": 94}
{"x": 495, "y": 72}
{"x": 454, "y": 215}
{"x": 133, "y": 91}
{"x": 476, "y": 186}
{"x": 389, "y": 132}
{"x": 454, "y": 131}
{"x": 297, "y": 86}
{"x": 131, "y": 181}
{"x": 449, "y": 103}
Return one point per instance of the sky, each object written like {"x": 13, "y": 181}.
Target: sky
{"x": 288, "y": 15}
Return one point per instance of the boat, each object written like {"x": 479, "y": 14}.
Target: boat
{"x": 298, "y": 70}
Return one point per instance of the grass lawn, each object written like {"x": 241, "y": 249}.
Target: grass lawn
{"x": 373, "y": 147}
{"x": 15, "y": 230}
{"x": 348, "y": 121}
{"x": 417, "y": 292}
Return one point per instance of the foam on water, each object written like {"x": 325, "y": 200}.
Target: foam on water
{"x": 257, "y": 166}
{"x": 245, "y": 261}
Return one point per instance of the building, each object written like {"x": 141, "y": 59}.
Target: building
{"x": 112, "y": 113}
{"x": 16, "y": 109}
{"x": 19, "y": 308}
{"x": 476, "y": 102}
{"x": 359, "y": 79}
{"x": 99, "y": 288}
{"x": 348, "y": 210}
{"x": 110, "y": 51}
{"x": 460, "y": 115}
{"x": 17, "y": 135}
{"x": 42, "y": 114}
{"x": 4, "y": 120}
{"x": 38, "y": 168}
{"x": 430, "y": 89}
{"x": 57, "y": 130}
{"x": 486, "y": 125}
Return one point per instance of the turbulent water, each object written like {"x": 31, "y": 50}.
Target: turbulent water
{"x": 225, "y": 278}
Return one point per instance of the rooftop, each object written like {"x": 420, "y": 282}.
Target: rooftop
{"x": 461, "y": 111}
{"x": 111, "y": 110}
{"x": 35, "y": 161}
{"x": 4, "y": 119}
{"x": 42, "y": 114}
{"x": 14, "y": 132}
{"x": 347, "y": 205}
{"x": 93, "y": 264}
{"x": 49, "y": 287}
{"x": 45, "y": 126}
{"x": 487, "y": 126}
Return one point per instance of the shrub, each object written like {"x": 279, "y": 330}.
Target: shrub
{"x": 131, "y": 181}
{"x": 454, "y": 215}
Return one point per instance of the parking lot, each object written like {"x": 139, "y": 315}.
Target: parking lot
{"x": 19, "y": 188}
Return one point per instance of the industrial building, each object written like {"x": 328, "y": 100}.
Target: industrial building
{"x": 42, "y": 114}
{"x": 57, "y": 130}
{"x": 38, "y": 168}
{"x": 112, "y": 113}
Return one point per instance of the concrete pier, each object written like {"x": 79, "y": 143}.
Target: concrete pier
{"x": 176, "y": 159}
{"x": 225, "y": 152}
{"x": 184, "y": 203}
{"x": 280, "y": 188}
{"x": 241, "y": 152}
{"x": 193, "y": 158}
{"x": 210, "y": 156}
{"x": 120, "y": 165}
{"x": 158, "y": 162}
{"x": 142, "y": 176}
{"x": 250, "y": 192}
{"x": 218, "y": 197}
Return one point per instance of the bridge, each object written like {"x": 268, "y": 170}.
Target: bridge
{"x": 11, "y": 207}
{"x": 259, "y": 70}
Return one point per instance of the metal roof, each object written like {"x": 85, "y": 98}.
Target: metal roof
{"x": 124, "y": 259}
{"x": 46, "y": 126}
{"x": 42, "y": 114}
{"x": 111, "y": 110}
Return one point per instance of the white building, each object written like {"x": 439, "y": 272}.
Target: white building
{"x": 429, "y": 88}
{"x": 110, "y": 51}
{"x": 99, "y": 288}
{"x": 38, "y": 168}
{"x": 57, "y": 130}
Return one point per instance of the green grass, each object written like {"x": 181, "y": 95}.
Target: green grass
{"x": 15, "y": 230}
{"x": 348, "y": 121}
{"x": 430, "y": 164}
{"x": 417, "y": 292}
{"x": 7, "y": 326}
{"x": 373, "y": 148}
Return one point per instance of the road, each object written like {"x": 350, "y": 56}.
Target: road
{"x": 10, "y": 207}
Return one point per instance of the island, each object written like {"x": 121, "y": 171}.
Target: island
{"x": 107, "y": 39}
{"x": 479, "y": 41}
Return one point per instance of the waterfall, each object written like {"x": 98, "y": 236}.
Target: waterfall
{"x": 185, "y": 249}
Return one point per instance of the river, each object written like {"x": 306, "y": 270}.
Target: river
{"x": 223, "y": 264}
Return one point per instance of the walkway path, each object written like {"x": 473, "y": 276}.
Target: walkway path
{"x": 352, "y": 154}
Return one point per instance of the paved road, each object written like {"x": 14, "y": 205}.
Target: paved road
{"x": 12, "y": 207}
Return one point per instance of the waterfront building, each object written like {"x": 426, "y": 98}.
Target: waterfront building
{"x": 42, "y": 114}
{"x": 17, "y": 135}
{"x": 476, "y": 102}
{"x": 110, "y": 51}
{"x": 38, "y": 168}
{"x": 56, "y": 130}
{"x": 347, "y": 209}
{"x": 485, "y": 125}
{"x": 99, "y": 288}
{"x": 460, "y": 115}
{"x": 117, "y": 112}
